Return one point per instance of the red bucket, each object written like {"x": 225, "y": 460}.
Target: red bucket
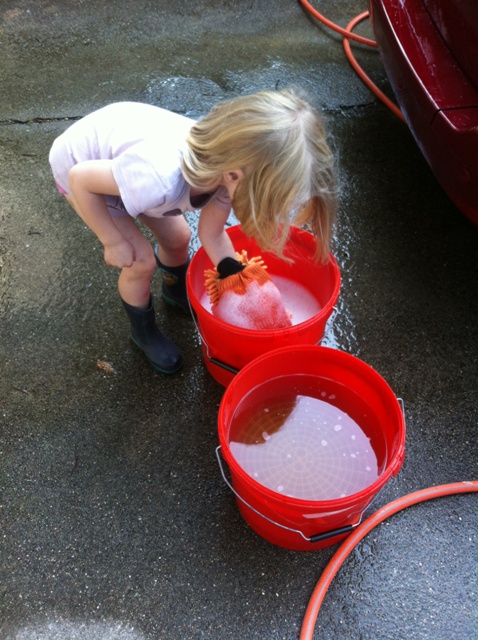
{"x": 310, "y": 524}
{"x": 227, "y": 348}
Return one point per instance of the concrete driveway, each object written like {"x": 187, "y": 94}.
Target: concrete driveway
{"x": 115, "y": 521}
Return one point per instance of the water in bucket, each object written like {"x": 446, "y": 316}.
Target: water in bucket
{"x": 307, "y": 437}
{"x": 298, "y": 301}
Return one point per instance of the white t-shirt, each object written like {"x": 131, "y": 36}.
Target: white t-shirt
{"x": 146, "y": 144}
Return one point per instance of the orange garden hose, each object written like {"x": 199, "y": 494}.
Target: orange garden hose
{"x": 348, "y": 35}
{"x": 362, "y": 530}
{"x": 335, "y": 27}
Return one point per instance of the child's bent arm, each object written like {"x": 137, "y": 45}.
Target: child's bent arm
{"x": 89, "y": 182}
{"x": 212, "y": 235}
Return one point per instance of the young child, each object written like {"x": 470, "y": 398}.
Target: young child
{"x": 266, "y": 154}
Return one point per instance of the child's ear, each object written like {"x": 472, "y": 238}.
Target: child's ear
{"x": 232, "y": 177}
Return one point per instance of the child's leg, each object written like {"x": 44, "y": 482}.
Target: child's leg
{"x": 134, "y": 289}
{"x": 135, "y": 292}
{"x": 173, "y": 236}
{"x": 134, "y": 281}
{"x": 172, "y": 257}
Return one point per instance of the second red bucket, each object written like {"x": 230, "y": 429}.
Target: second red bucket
{"x": 227, "y": 348}
{"x": 310, "y": 435}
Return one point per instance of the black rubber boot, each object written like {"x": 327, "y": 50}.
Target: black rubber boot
{"x": 173, "y": 289}
{"x": 161, "y": 352}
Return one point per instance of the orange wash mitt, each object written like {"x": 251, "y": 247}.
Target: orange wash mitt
{"x": 248, "y": 298}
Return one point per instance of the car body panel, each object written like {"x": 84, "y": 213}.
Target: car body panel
{"x": 436, "y": 94}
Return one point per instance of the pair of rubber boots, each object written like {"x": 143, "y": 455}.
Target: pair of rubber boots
{"x": 161, "y": 352}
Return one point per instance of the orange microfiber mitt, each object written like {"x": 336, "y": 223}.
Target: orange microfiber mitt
{"x": 248, "y": 298}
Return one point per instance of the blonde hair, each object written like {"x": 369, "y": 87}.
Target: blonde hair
{"x": 279, "y": 141}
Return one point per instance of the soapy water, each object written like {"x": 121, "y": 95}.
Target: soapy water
{"x": 299, "y": 302}
{"x": 259, "y": 308}
{"x": 308, "y": 438}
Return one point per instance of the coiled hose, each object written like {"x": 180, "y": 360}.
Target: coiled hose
{"x": 347, "y": 35}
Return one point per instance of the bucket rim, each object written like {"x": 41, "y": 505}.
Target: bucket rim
{"x": 370, "y": 490}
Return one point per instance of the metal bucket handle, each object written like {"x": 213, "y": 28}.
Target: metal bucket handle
{"x": 215, "y": 361}
{"x": 315, "y": 538}
{"x": 319, "y": 536}
{"x": 220, "y": 363}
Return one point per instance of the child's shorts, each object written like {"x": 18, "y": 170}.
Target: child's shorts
{"x": 61, "y": 190}
{"x": 114, "y": 203}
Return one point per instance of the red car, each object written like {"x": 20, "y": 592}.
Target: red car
{"x": 429, "y": 50}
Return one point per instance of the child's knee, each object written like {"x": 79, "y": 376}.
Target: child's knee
{"x": 143, "y": 265}
{"x": 148, "y": 263}
{"x": 173, "y": 234}
{"x": 178, "y": 241}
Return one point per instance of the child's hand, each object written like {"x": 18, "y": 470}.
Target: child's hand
{"x": 242, "y": 294}
{"x": 121, "y": 254}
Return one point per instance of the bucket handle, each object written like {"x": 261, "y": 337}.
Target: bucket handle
{"x": 315, "y": 538}
{"x": 402, "y": 406}
{"x": 218, "y": 363}
{"x": 215, "y": 361}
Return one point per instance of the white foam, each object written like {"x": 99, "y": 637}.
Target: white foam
{"x": 298, "y": 300}
{"x": 261, "y": 307}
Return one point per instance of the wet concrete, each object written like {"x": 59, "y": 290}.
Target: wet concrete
{"x": 115, "y": 520}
